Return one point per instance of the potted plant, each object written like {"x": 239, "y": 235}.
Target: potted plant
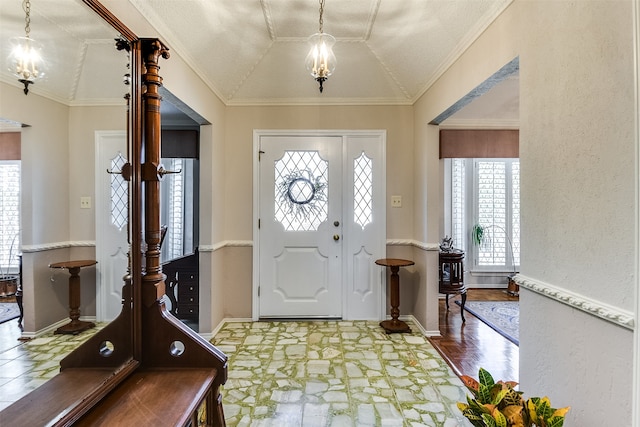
{"x": 8, "y": 282}
{"x": 481, "y": 237}
{"x": 498, "y": 404}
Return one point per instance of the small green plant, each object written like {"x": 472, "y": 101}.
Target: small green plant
{"x": 477, "y": 234}
{"x": 498, "y": 404}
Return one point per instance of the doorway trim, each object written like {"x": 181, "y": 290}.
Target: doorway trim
{"x": 105, "y": 283}
{"x": 345, "y": 134}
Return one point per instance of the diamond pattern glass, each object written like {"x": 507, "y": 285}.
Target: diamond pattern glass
{"x": 301, "y": 190}
{"x": 119, "y": 194}
{"x": 362, "y": 190}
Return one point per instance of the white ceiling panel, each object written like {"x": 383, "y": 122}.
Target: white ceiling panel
{"x": 251, "y": 52}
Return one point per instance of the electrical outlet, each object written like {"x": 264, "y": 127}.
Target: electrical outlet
{"x": 396, "y": 201}
{"x": 85, "y": 202}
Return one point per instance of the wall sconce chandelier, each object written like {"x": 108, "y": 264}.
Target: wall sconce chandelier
{"x": 321, "y": 62}
{"x": 25, "y": 60}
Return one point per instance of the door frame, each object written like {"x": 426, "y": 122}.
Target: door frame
{"x": 102, "y": 139}
{"x": 344, "y": 134}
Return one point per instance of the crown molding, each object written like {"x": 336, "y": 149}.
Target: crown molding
{"x": 599, "y": 309}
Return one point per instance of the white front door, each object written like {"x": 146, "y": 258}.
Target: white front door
{"x": 112, "y": 196}
{"x": 321, "y": 225}
{"x": 300, "y": 226}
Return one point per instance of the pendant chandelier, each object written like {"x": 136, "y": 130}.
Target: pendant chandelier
{"x": 25, "y": 60}
{"x": 321, "y": 62}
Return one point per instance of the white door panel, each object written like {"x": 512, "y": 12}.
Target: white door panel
{"x": 316, "y": 259}
{"x": 300, "y": 262}
{"x": 364, "y": 205}
{"x": 112, "y": 195}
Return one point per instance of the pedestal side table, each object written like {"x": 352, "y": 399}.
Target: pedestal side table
{"x": 76, "y": 325}
{"x": 394, "y": 325}
{"x": 451, "y": 271}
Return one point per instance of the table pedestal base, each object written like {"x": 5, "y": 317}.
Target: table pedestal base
{"x": 74, "y": 327}
{"x": 395, "y": 326}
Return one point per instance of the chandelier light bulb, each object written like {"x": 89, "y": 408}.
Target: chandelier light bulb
{"x": 25, "y": 59}
{"x": 321, "y": 61}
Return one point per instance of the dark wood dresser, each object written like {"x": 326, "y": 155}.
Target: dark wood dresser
{"x": 182, "y": 287}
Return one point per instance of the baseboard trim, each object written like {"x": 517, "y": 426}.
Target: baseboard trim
{"x": 26, "y": 336}
{"x": 226, "y": 320}
{"x": 596, "y": 308}
{"x": 423, "y": 331}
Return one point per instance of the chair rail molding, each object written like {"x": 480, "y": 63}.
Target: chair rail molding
{"x": 599, "y": 309}
{"x": 410, "y": 242}
{"x": 41, "y": 247}
{"x": 226, "y": 244}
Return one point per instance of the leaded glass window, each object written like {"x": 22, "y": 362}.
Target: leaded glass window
{"x": 301, "y": 190}
{"x": 362, "y": 190}
{"x": 119, "y": 194}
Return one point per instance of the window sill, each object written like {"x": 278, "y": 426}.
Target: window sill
{"x": 481, "y": 273}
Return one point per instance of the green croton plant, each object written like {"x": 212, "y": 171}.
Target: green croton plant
{"x": 498, "y": 404}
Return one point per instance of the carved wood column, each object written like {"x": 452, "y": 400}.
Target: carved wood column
{"x": 153, "y": 279}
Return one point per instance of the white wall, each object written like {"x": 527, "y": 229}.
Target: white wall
{"x": 578, "y": 161}
{"x": 240, "y": 123}
{"x": 578, "y": 209}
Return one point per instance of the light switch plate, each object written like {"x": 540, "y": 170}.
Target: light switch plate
{"x": 396, "y": 201}
{"x": 85, "y": 202}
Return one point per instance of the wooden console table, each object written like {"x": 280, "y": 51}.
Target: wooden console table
{"x": 76, "y": 325}
{"x": 395, "y": 325}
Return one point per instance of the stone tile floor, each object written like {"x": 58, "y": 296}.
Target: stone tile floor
{"x": 320, "y": 373}
{"x": 335, "y": 373}
{"x": 26, "y": 365}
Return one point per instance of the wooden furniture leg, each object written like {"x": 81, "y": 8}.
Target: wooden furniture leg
{"x": 395, "y": 325}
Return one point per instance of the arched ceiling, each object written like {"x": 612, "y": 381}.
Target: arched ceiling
{"x": 251, "y": 52}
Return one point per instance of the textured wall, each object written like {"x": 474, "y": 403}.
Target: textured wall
{"x": 578, "y": 175}
{"x": 578, "y": 203}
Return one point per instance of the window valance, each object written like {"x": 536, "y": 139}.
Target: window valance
{"x": 10, "y": 145}
{"x": 484, "y": 143}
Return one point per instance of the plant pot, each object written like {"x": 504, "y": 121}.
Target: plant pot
{"x": 8, "y": 285}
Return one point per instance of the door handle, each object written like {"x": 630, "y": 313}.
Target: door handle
{"x": 336, "y": 237}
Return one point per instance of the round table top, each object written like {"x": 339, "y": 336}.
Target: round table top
{"x": 394, "y": 262}
{"x": 73, "y": 264}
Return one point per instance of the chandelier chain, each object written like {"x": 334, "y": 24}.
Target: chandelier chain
{"x": 26, "y": 5}
{"x": 321, "y": 12}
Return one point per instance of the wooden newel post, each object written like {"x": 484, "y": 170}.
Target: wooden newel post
{"x": 153, "y": 280}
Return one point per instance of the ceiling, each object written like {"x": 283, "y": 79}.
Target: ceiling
{"x": 251, "y": 52}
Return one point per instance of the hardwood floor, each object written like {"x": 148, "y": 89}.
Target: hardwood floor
{"x": 473, "y": 345}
